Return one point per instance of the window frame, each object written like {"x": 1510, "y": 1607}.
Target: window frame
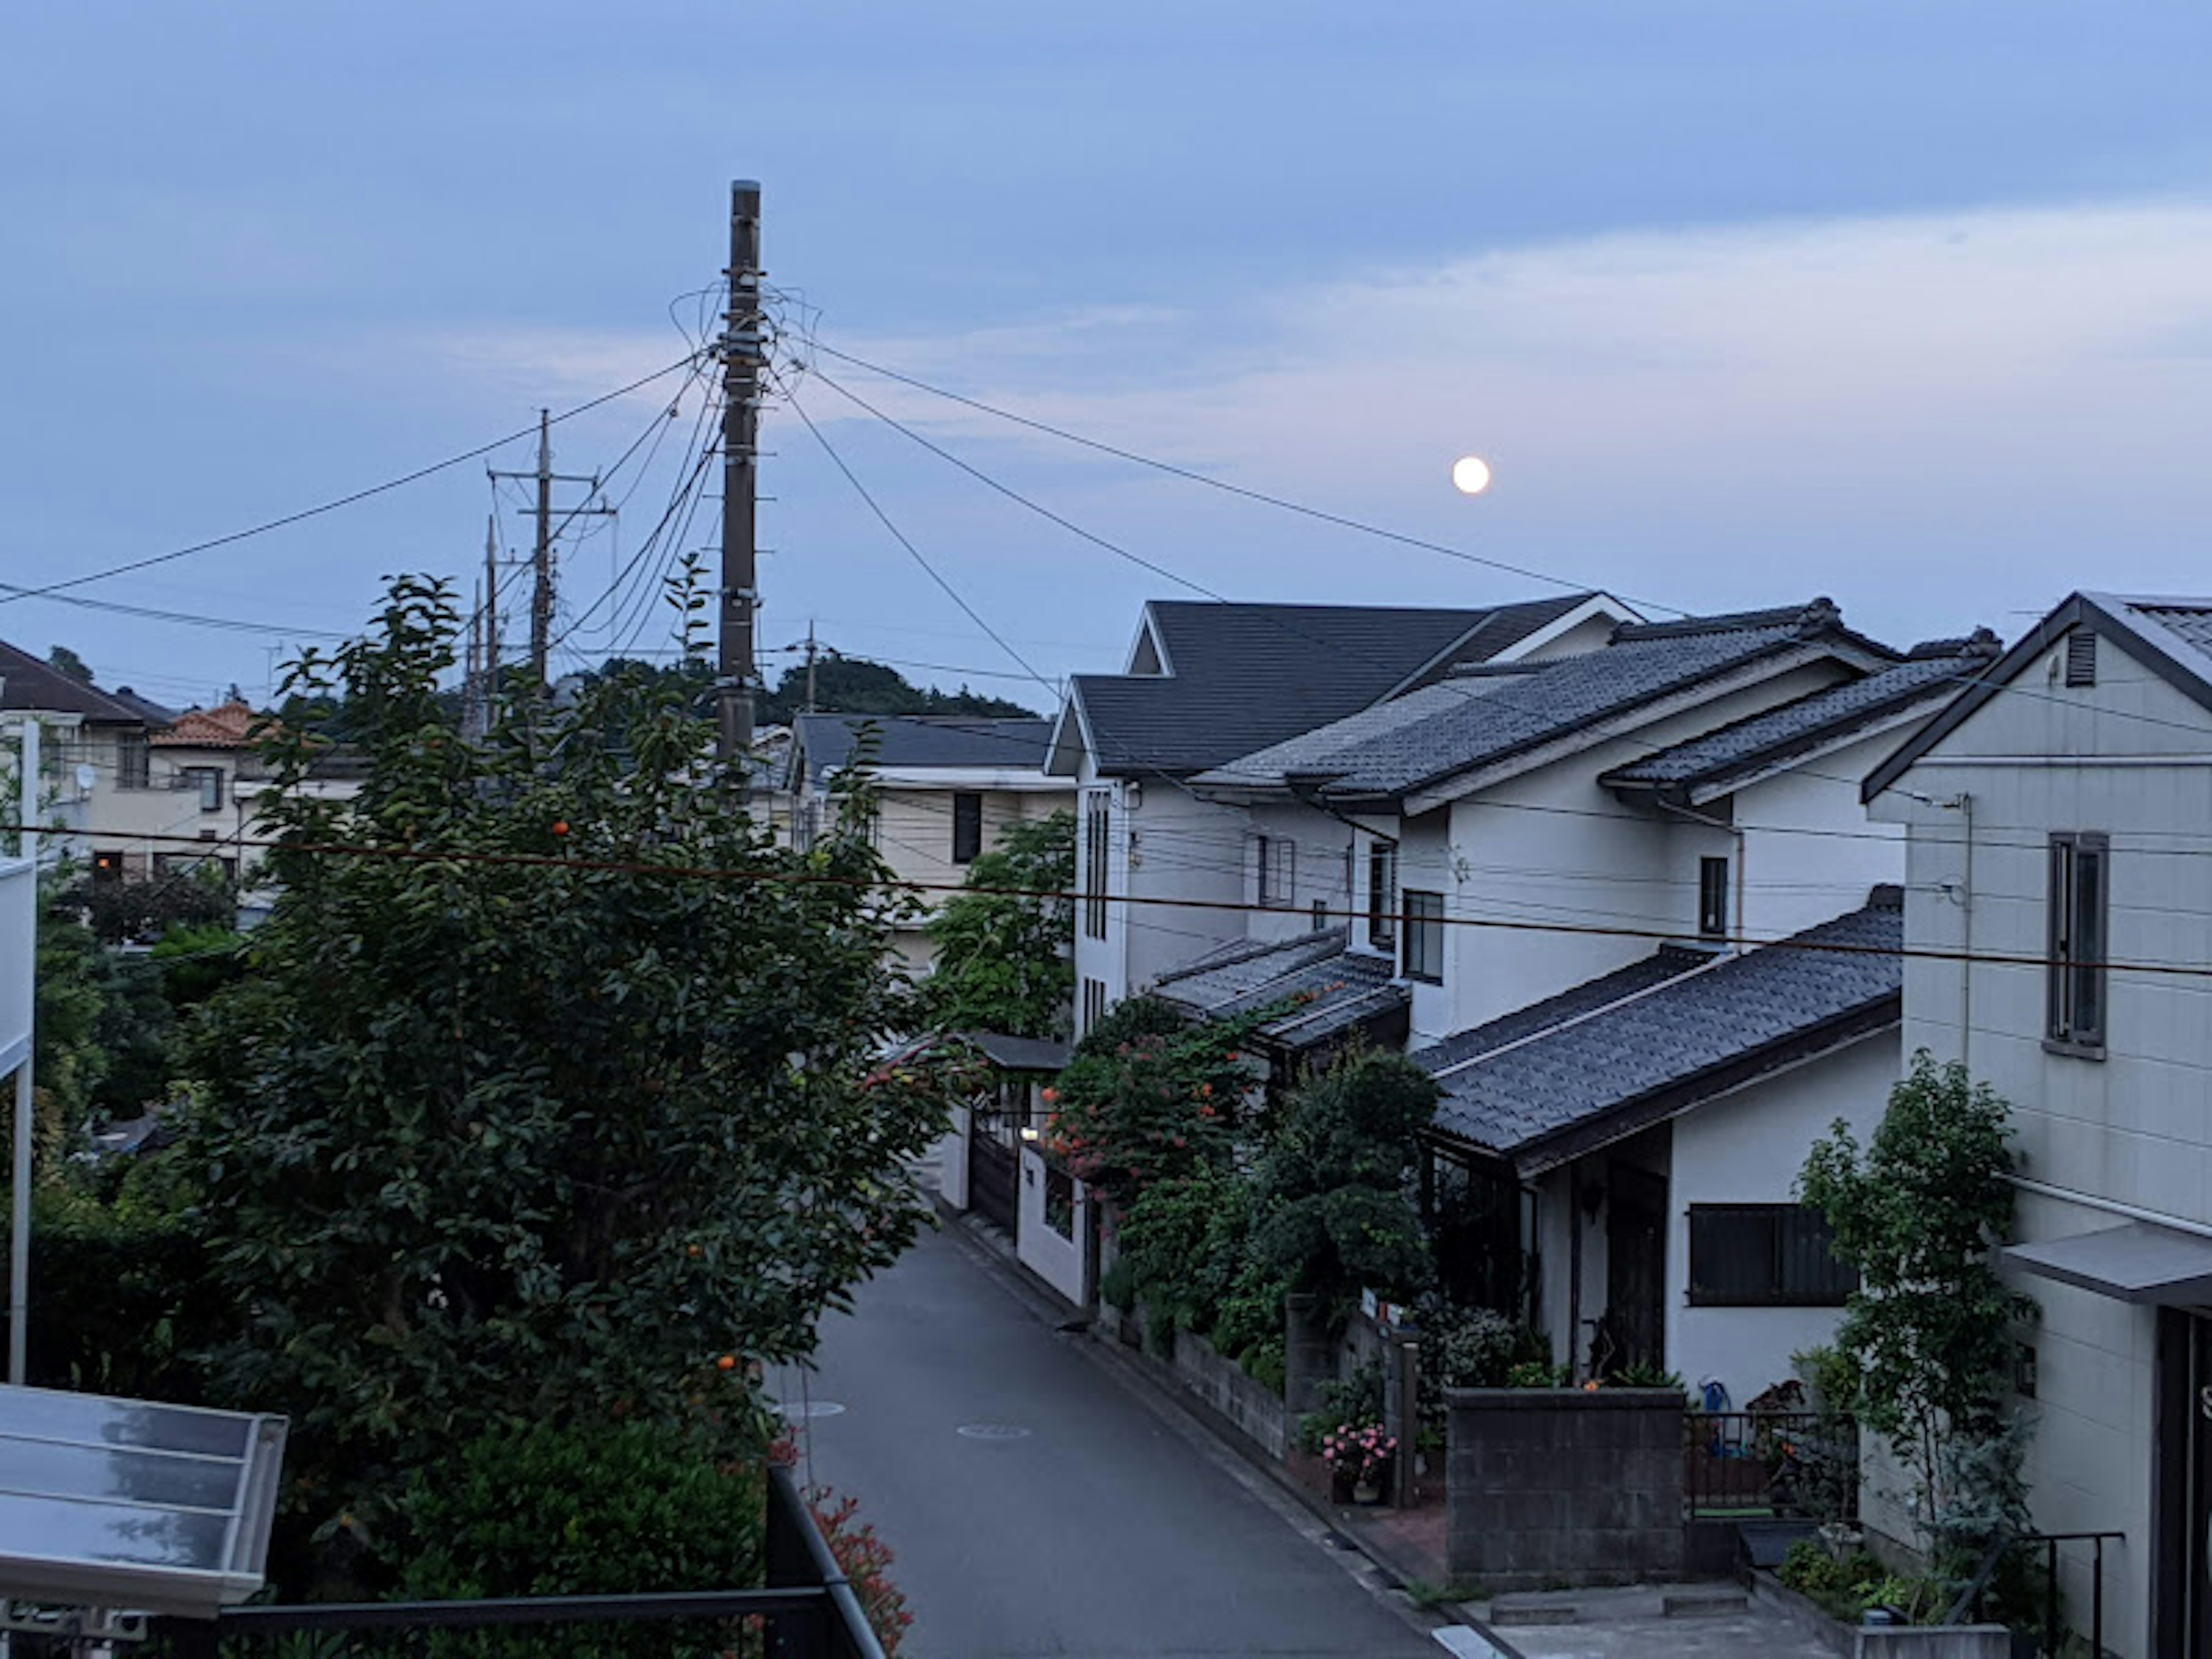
{"x": 1382, "y": 894}
{"x": 134, "y": 762}
{"x": 967, "y": 825}
{"x": 2078, "y": 944}
{"x": 1277, "y": 857}
{"x": 208, "y": 780}
{"x": 1795, "y": 1232}
{"x": 1414, "y": 929}
{"x": 1097, "y": 833}
{"x": 1713, "y": 897}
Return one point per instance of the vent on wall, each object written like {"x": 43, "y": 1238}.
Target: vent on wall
{"x": 2081, "y": 658}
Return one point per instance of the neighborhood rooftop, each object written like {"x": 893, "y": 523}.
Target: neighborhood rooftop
{"x": 965, "y": 741}
{"x": 27, "y": 683}
{"x": 1571, "y": 1076}
{"x": 1214, "y": 681}
{"x": 1335, "y": 992}
{"x": 1461, "y": 725}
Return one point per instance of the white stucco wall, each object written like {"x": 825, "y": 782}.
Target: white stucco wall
{"x": 1748, "y": 1148}
{"x": 951, "y": 1156}
{"x": 1058, "y": 1261}
{"x": 1793, "y": 879}
{"x": 1174, "y": 845}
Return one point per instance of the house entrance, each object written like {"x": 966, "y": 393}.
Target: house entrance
{"x": 1636, "y": 1264}
{"x": 994, "y": 1165}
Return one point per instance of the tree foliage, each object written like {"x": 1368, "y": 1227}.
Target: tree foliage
{"x": 1930, "y": 1326}
{"x": 1149, "y": 1098}
{"x": 1003, "y": 961}
{"x": 501, "y": 1128}
{"x": 853, "y": 686}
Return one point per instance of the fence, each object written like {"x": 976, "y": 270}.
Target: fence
{"x": 2042, "y": 1550}
{"x": 808, "y": 1610}
{"x": 1784, "y": 1465}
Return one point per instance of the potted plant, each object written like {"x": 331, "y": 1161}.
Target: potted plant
{"x": 1360, "y": 1452}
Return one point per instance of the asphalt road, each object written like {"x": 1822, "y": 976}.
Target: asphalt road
{"x": 1039, "y": 1507}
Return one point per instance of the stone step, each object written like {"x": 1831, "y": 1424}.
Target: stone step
{"x": 1703, "y": 1603}
{"x": 1535, "y": 1609}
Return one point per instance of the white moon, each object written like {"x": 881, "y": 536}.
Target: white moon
{"x": 1470, "y": 475}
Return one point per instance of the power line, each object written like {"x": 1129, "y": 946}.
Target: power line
{"x": 347, "y": 500}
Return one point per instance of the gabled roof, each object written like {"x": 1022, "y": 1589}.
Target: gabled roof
{"x": 1465, "y": 724}
{"x": 1337, "y": 991}
{"x": 152, "y": 713}
{"x": 1240, "y": 676}
{"x": 224, "y": 727}
{"x": 1543, "y": 1086}
{"x": 27, "y": 683}
{"x": 1712, "y": 764}
{"x": 2171, "y": 637}
{"x": 950, "y": 741}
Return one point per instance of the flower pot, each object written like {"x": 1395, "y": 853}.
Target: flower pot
{"x": 1367, "y": 1491}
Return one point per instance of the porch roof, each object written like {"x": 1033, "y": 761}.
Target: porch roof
{"x": 2141, "y": 1261}
{"x": 1542, "y": 1086}
{"x": 1337, "y": 989}
{"x": 1018, "y": 1054}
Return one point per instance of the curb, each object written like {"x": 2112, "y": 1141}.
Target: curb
{"x": 1385, "y": 1578}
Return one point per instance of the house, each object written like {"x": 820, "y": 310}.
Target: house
{"x": 946, "y": 787}
{"x": 95, "y": 742}
{"x": 2058, "y": 903}
{"x": 1164, "y": 868}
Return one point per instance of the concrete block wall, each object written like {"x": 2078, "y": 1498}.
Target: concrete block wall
{"x": 1253, "y": 1407}
{"x": 1546, "y": 1487}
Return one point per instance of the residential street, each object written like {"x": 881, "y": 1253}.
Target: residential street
{"x": 1037, "y": 1507}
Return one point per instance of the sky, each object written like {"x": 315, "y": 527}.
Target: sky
{"x": 1907, "y": 305}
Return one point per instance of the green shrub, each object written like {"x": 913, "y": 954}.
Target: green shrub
{"x": 1118, "y": 1285}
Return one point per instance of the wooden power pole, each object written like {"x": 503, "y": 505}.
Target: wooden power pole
{"x": 743, "y": 358}
{"x": 540, "y": 558}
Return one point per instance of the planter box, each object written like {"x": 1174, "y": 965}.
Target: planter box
{"x": 1893, "y": 1642}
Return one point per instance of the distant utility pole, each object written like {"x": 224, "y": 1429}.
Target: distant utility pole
{"x": 743, "y": 358}
{"x": 488, "y": 656}
{"x": 810, "y": 665}
{"x": 541, "y": 561}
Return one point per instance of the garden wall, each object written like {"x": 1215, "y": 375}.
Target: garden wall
{"x": 1053, "y": 1256}
{"x": 1552, "y": 1485}
{"x": 1251, "y": 1406}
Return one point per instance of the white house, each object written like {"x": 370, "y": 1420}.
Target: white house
{"x": 2059, "y": 817}
{"x": 946, "y": 788}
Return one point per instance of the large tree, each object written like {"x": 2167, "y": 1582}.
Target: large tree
{"x": 553, "y": 1085}
{"x": 1003, "y": 960}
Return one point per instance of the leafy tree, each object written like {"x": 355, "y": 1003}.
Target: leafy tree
{"x": 1930, "y": 1326}
{"x": 1158, "y": 1105}
{"x": 195, "y": 962}
{"x": 853, "y": 686}
{"x": 123, "y": 912}
{"x": 1003, "y": 960}
{"x": 1334, "y": 1185}
{"x": 558, "y": 1099}
{"x": 66, "y": 661}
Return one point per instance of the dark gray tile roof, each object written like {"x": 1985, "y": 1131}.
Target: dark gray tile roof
{"x": 948, "y": 740}
{"x": 1928, "y": 675}
{"x": 1245, "y": 676}
{"x": 152, "y": 713}
{"x": 1016, "y": 1054}
{"x": 2187, "y": 621}
{"x": 1338, "y": 990}
{"x": 27, "y": 682}
{"x": 1533, "y": 1095}
{"x": 1666, "y": 963}
{"x": 1461, "y": 725}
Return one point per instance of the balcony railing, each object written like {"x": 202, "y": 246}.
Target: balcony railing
{"x": 1782, "y": 1465}
{"x": 807, "y": 1610}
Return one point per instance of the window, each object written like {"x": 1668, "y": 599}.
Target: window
{"x": 208, "y": 780}
{"x": 1094, "y": 1002}
{"x": 1761, "y": 1255}
{"x": 967, "y": 827}
{"x": 2075, "y": 978}
{"x": 106, "y": 867}
{"x": 1713, "y": 897}
{"x": 1424, "y": 936}
{"x": 1059, "y": 1200}
{"x": 1382, "y": 894}
{"x": 1098, "y": 817}
{"x": 2081, "y": 658}
{"x": 132, "y": 769}
{"x": 1277, "y": 857}
{"x": 1319, "y": 915}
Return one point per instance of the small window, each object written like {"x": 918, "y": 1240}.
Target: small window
{"x": 967, "y": 827}
{"x": 1059, "y": 1200}
{"x": 1097, "y": 810}
{"x": 2081, "y": 658}
{"x": 2074, "y": 977}
{"x": 1094, "y": 1002}
{"x": 1319, "y": 915}
{"x": 106, "y": 867}
{"x": 1382, "y": 894}
{"x": 1761, "y": 1255}
{"x": 208, "y": 780}
{"x": 132, "y": 768}
{"x": 1424, "y": 936}
{"x": 1277, "y": 860}
{"x": 1712, "y": 897}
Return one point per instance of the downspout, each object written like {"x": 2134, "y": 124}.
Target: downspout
{"x": 1574, "y": 1270}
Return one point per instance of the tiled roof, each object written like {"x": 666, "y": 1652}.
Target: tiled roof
{"x": 1242, "y": 676}
{"x": 2189, "y": 621}
{"x": 1338, "y": 990}
{"x": 947, "y": 740}
{"x": 27, "y": 683}
{"x": 1929, "y": 674}
{"x": 1461, "y": 725}
{"x": 225, "y": 726}
{"x": 1666, "y": 962}
{"x": 152, "y": 713}
{"x": 1587, "y": 1075}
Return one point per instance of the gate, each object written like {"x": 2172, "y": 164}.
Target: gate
{"x": 994, "y": 1167}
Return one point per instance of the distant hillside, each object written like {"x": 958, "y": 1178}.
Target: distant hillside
{"x": 853, "y": 686}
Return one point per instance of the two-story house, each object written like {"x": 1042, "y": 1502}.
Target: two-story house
{"x": 1164, "y": 870}
{"x": 93, "y": 740}
{"x": 2058, "y": 906}
{"x": 946, "y": 787}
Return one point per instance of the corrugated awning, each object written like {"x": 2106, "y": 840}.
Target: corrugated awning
{"x": 2140, "y": 1262}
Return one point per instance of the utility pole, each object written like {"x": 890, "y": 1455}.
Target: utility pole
{"x": 810, "y": 665}
{"x": 489, "y": 655}
{"x": 742, "y": 361}
{"x": 541, "y": 559}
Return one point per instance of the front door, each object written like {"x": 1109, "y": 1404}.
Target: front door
{"x": 1635, "y": 1265}
{"x": 2181, "y": 1597}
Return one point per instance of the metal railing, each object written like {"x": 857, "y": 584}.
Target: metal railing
{"x": 2043, "y": 1548}
{"x": 1782, "y": 1465}
{"x": 807, "y": 1610}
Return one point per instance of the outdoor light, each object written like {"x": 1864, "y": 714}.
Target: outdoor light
{"x": 1470, "y": 475}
